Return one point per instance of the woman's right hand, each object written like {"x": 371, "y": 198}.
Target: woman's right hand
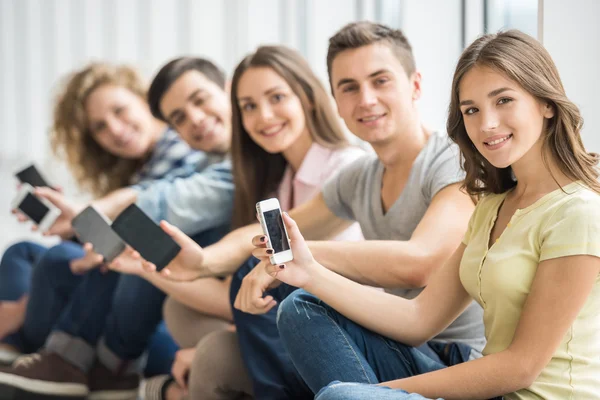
{"x": 299, "y": 272}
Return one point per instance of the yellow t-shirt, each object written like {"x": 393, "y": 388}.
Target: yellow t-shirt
{"x": 499, "y": 279}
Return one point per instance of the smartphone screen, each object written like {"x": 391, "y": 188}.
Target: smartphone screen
{"x": 33, "y": 208}
{"x": 32, "y": 176}
{"x": 144, "y": 235}
{"x": 277, "y": 236}
{"x": 90, "y": 226}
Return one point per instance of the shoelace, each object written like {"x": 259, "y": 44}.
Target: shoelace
{"x": 27, "y": 360}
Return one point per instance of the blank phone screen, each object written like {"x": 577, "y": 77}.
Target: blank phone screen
{"x": 33, "y": 208}
{"x": 276, "y": 230}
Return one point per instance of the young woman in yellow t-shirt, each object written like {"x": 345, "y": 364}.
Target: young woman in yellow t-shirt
{"x": 530, "y": 258}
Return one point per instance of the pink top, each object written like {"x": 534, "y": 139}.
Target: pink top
{"x": 318, "y": 165}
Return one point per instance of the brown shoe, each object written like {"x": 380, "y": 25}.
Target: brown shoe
{"x": 106, "y": 385}
{"x": 42, "y": 376}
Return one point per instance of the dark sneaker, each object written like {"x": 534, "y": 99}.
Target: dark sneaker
{"x": 106, "y": 385}
{"x": 42, "y": 376}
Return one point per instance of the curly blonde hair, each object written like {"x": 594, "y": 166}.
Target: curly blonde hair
{"x": 95, "y": 169}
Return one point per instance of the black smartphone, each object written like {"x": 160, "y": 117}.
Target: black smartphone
{"x": 144, "y": 235}
{"x": 32, "y": 176}
{"x": 39, "y": 210}
{"x": 93, "y": 227}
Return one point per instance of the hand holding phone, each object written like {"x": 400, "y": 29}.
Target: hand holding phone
{"x": 93, "y": 227}
{"x": 269, "y": 215}
{"x": 145, "y": 236}
{"x": 42, "y": 212}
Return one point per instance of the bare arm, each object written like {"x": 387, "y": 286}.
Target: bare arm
{"x": 559, "y": 292}
{"x": 421, "y": 318}
{"x": 407, "y": 264}
{"x": 208, "y": 296}
{"x": 315, "y": 220}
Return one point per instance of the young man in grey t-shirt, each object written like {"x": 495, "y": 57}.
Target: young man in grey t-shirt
{"x": 406, "y": 198}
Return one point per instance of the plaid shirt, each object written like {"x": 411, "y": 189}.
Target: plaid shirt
{"x": 190, "y": 189}
{"x": 171, "y": 158}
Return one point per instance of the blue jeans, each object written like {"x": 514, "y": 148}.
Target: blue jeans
{"x": 325, "y": 346}
{"x": 16, "y": 268}
{"x": 270, "y": 368}
{"x": 53, "y": 287}
{"x": 115, "y": 313}
{"x": 361, "y": 391}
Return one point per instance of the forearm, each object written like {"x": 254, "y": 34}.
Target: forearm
{"x": 373, "y": 309}
{"x": 379, "y": 263}
{"x": 487, "y": 377}
{"x": 228, "y": 254}
{"x": 208, "y": 296}
{"x": 112, "y": 204}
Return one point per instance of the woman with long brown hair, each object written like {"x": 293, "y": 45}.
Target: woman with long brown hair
{"x": 286, "y": 141}
{"x": 530, "y": 258}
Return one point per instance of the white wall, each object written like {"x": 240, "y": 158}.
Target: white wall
{"x": 571, "y": 33}
{"x": 41, "y": 40}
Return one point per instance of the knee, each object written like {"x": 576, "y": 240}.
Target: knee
{"x": 337, "y": 390}
{"x": 17, "y": 251}
{"x": 61, "y": 255}
{"x": 55, "y": 262}
{"x": 217, "y": 364}
{"x": 295, "y": 310}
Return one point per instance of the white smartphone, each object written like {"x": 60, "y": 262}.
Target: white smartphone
{"x": 39, "y": 210}
{"x": 269, "y": 215}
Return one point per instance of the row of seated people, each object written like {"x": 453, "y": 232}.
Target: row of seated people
{"x": 452, "y": 264}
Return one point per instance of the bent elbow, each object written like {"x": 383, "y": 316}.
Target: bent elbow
{"x": 420, "y": 275}
{"x": 528, "y": 374}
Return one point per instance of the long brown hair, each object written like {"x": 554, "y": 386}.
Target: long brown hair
{"x": 525, "y": 61}
{"x": 256, "y": 173}
{"x": 95, "y": 169}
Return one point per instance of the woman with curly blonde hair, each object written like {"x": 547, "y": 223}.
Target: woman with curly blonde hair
{"x": 104, "y": 130}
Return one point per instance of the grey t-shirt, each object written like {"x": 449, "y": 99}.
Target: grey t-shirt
{"x": 355, "y": 194}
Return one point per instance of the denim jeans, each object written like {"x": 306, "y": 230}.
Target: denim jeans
{"x": 52, "y": 288}
{"x": 361, "y": 391}
{"x": 114, "y": 315}
{"x": 270, "y": 368}
{"x": 16, "y": 268}
{"x": 325, "y": 346}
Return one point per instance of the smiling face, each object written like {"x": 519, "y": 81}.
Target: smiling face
{"x": 120, "y": 121}
{"x": 503, "y": 121}
{"x": 374, "y": 95}
{"x": 200, "y": 112}
{"x": 272, "y": 113}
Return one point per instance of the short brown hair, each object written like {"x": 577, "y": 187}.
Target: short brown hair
{"x": 171, "y": 71}
{"x": 364, "y": 33}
